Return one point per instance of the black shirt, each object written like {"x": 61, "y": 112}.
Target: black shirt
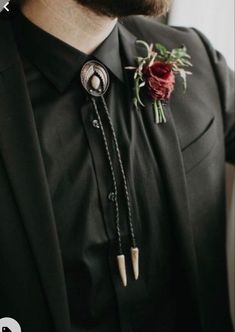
{"x": 79, "y": 181}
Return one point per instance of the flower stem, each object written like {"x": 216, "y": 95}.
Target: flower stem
{"x": 156, "y": 111}
{"x": 161, "y": 110}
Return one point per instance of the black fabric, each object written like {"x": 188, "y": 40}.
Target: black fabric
{"x": 54, "y": 183}
{"x": 79, "y": 181}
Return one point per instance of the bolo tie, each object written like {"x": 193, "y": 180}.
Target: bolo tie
{"x": 95, "y": 80}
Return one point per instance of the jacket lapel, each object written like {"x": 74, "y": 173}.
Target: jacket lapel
{"x": 19, "y": 147}
{"x": 171, "y": 166}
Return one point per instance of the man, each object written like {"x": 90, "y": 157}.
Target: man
{"x": 109, "y": 221}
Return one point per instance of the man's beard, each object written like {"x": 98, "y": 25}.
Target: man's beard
{"x": 122, "y": 8}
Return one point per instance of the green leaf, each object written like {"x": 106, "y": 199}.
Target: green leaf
{"x": 161, "y": 49}
{"x": 142, "y": 85}
{"x": 186, "y": 63}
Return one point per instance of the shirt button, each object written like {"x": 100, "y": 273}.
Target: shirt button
{"x": 95, "y": 124}
{"x": 111, "y": 196}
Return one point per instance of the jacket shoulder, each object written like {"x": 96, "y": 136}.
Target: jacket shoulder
{"x": 152, "y": 31}
{"x": 8, "y": 51}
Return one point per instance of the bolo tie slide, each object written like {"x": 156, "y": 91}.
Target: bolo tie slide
{"x": 95, "y": 80}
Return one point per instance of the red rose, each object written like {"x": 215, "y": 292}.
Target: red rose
{"x": 160, "y": 80}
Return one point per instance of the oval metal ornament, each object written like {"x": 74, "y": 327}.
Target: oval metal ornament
{"x": 95, "y": 78}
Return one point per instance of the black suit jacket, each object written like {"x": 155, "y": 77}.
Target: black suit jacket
{"x": 193, "y": 144}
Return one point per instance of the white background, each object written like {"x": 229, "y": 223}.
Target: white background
{"x": 215, "y": 18}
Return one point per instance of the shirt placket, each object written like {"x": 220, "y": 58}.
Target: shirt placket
{"x": 131, "y": 297}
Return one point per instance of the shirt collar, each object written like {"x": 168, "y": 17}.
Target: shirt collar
{"x": 108, "y": 53}
{"x": 58, "y": 61}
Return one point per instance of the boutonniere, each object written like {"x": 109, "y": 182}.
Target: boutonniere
{"x": 156, "y": 74}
